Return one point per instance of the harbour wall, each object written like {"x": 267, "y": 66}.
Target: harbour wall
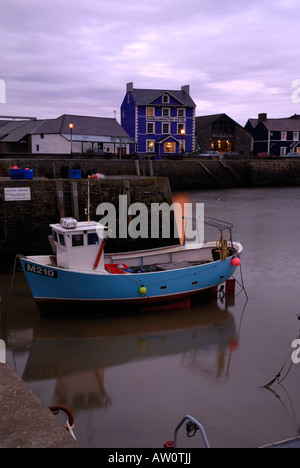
{"x": 24, "y": 223}
{"x": 188, "y": 174}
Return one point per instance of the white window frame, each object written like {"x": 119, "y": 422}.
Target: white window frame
{"x": 168, "y": 126}
{"x": 282, "y": 151}
{"x": 180, "y": 126}
{"x": 150, "y": 111}
{"x": 166, "y": 99}
{"x": 167, "y": 109}
{"x": 283, "y": 136}
{"x": 179, "y": 109}
{"x": 151, "y": 125}
{"x": 296, "y": 136}
{"x": 149, "y": 146}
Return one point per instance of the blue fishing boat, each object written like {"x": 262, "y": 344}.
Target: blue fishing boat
{"x": 80, "y": 273}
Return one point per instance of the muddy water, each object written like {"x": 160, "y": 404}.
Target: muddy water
{"x": 130, "y": 379}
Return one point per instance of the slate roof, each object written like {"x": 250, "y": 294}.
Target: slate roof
{"x": 83, "y": 125}
{"x": 144, "y": 97}
{"x": 291, "y": 124}
{"x": 15, "y": 133}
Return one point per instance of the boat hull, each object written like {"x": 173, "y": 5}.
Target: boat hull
{"x": 86, "y": 290}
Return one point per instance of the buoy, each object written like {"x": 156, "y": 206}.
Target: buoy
{"x": 236, "y": 261}
{"x": 143, "y": 291}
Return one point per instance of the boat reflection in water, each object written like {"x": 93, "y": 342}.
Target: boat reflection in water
{"x": 75, "y": 354}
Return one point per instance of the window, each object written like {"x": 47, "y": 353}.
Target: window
{"x": 170, "y": 147}
{"x": 150, "y": 145}
{"x": 180, "y": 112}
{"x": 166, "y": 99}
{"x": 93, "y": 238}
{"x": 283, "y": 135}
{"x": 54, "y": 235}
{"x": 296, "y": 136}
{"x": 166, "y": 128}
{"x": 150, "y": 112}
{"x": 166, "y": 112}
{"x": 61, "y": 239}
{"x": 282, "y": 150}
{"x": 179, "y": 128}
{"x": 150, "y": 127}
{"x": 42, "y": 136}
{"x": 77, "y": 240}
{"x": 38, "y": 147}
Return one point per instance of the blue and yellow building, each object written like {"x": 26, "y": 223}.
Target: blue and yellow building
{"x": 162, "y": 122}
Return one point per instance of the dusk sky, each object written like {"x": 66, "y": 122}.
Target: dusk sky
{"x": 75, "y": 57}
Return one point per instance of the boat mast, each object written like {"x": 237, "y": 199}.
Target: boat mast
{"x": 89, "y": 201}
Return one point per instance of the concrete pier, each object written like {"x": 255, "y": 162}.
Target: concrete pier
{"x": 25, "y": 421}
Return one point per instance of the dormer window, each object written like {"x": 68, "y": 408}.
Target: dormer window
{"x": 166, "y": 99}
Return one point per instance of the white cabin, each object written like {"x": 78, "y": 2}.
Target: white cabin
{"x": 78, "y": 243}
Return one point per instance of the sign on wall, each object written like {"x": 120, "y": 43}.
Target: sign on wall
{"x": 17, "y": 194}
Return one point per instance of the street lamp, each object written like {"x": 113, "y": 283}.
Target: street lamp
{"x": 71, "y": 126}
{"x": 182, "y": 131}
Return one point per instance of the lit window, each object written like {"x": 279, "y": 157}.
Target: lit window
{"x": 170, "y": 147}
{"x": 150, "y": 146}
{"x": 150, "y": 111}
{"x": 283, "y": 135}
{"x": 180, "y": 129}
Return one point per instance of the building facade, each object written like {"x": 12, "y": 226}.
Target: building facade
{"x": 221, "y": 133}
{"x": 161, "y": 122}
{"x": 277, "y": 137}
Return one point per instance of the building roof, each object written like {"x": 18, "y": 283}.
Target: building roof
{"x": 144, "y": 97}
{"x": 15, "y": 133}
{"x": 291, "y": 124}
{"x": 83, "y": 125}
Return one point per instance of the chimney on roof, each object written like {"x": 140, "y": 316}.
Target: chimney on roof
{"x": 186, "y": 89}
{"x": 262, "y": 117}
{"x": 129, "y": 87}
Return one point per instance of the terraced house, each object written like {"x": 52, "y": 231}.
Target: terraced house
{"x": 161, "y": 122}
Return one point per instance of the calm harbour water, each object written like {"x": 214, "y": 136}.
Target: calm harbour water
{"x": 129, "y": 380}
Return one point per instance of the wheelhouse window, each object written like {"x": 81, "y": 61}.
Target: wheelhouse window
{"x": 92, "y": 238}
{"x": 61, "y": 239}
{"x": 54, "y": 236}
{"x": 77, "y": 240}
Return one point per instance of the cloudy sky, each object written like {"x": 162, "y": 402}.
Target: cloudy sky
{"x": 75, "y": 57}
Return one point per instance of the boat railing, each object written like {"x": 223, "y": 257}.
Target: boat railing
{"x": 222, "y": 226}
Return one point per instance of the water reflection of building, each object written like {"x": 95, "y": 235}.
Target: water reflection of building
{"x": 74, "y": 354}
